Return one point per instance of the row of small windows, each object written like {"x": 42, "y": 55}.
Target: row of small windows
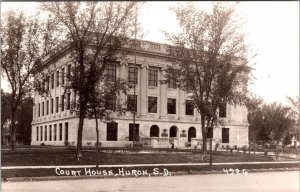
{"x": 112, "y": 132}
{"x": 49, "y": 105}
{"x": 152, "y": 105}
{"x": 111, "y": 72}
{"x": 55, "y": 134}
{"x": 49, "y": 82}
{"x": 131, "y": 105}
{"x": 171, "y": 106}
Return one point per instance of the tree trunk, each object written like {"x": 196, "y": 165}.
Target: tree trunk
{"x": 210, "y": 150}
{"x": 204, "y": 147}
{"x": 79, "y": 136}
{"x": 97, "y": 143}
{"x": 13, "y": 132}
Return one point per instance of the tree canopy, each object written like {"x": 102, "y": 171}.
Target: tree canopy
{"x": 208, "y": 59}
{"x": 24, "y": 39}
{"x": 95, "y": 31}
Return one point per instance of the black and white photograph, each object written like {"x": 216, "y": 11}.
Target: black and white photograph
{"x": 157, "y": 96}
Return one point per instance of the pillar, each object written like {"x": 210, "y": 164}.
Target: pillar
{"x": 163, "y": 98}
{"x": 143, "y": 91}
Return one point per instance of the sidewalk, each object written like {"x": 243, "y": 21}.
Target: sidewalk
{"x": 174, "y": 170}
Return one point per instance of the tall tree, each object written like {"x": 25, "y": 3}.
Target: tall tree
{"x": 96, "y": 32}
{"x": 255, "y": 117}
{"x": 105, "y": 100}
{"x": 24, "y": 39}
{"x": 276, "y": 120}
{"x": 294, "y": 105}
{"x": 208, "y": 60}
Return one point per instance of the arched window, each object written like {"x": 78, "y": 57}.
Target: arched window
{"x": 191, "y": 133}
{"x": 173, "y": 131}
{"x": 154, "y": 131}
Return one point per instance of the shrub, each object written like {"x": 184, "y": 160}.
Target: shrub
{"x": 216, "y": 146}
{"x": 231, "y": 150}
{"x": 88, "y": 143}
{"x": 42, "y": 144}
{"x": 187, "y": 144}
{"x": 99, "y": 144}
{"x": 67, "y": 143}
{"x": 244, "y": 148}
{"x": 227, "y": 147}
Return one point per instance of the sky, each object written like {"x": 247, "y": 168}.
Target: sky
{"x": 272, "y": 30}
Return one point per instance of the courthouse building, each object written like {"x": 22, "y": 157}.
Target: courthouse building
{"x": 164, "y": 113}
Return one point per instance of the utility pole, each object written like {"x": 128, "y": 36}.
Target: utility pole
{"x": 135, "y": 78}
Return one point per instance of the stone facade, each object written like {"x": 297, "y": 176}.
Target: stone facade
{"x": 55, "y": 125}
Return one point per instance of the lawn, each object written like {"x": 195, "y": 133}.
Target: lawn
{"x": 64, "y": 156}
{"x": 67, "y": 157}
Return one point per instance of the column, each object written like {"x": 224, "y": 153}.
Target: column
{"x": 181, "y": 103}
{"x": 143, "y": 90}
{"x": 33, "y": 112}
{"x": 63, "y": 133}
{"x": 122, "y": 75}
{"x": 163, "y": 98}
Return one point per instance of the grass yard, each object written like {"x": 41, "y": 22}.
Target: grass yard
{"x": 63, "y": 156}
{"x": 67, "y": 157}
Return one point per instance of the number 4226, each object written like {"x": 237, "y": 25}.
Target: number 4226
{"x": 235, "y": 171}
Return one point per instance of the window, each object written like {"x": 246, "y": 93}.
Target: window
{"x": 55, "y": 132}
{"x": 152, "y": 77}
{"x": 132, "y": 103}
{"x": 111, "y": 72}
{"x": 41, "y": 133}
{"x": 52, "y": 80}
{"x": 173, "y": 131}
{"x": 222, "y": 110}
{"x": 171, "y": 106}
{"x": 68, "y": 101}
{"x": 110, "y": 101}
{"x": 43, "y": 109}
{"x": 209, "y": 133}
{"x": 57, "y": 103}
{"x": 154, "y": 131}
{"x": 44, "y": 85}
{"x": 189, "y": 108}
{"x": 39, "y": 109}
{"x": 63, "y": 76}
{"x": 134, "y": 132}
{"x": 57, "y": 78}
{"x": 191, "y": 133}
{"x": 47, "y": 107}
{"x": 62, "y": 102}
{"x": 112, "y": 132}
{"x": 152, "y": 104}
{"x": 69, "y": 72}
{"x": 155, "y": 46}
{"x": 50, "y": 132}
{"x": 60, "y": 131}
{"x": 133, "y": 75}
{"x": 37, "y": 133}
{"x": 66, "y": 131}
{"x": 225, "y": 135}
{"x": 48, "y": 83}
{"x": 172, "y": 82}
{"x": 51, "y": 103}
{"x": 45, "y": 132}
